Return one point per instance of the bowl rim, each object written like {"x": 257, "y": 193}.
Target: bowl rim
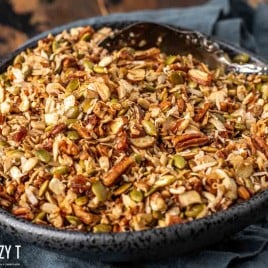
{"x": 27, "y": 227}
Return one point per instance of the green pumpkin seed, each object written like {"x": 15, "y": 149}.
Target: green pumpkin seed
{"x": 99, "y": 69}
{"x": 40, "y": 216}
{"x": 60, "y": 170}
{"x": 72, "y": 85}
{"x": 86, "y": 37}
{"x": 138, "y": 158}
{"x": 3, "y": 144}
{"x": 81, "y": 201}
{"x": 194, "y": 210}
{"x": 144, "y": 103}
{"x": 88, "y": 65}
{"x": 86, "y": 104}
{"x": 122, "y": 189}
{"x": 102, "y": 228}
{"x": 72, "y": 112}
{"x": 73, "y": 220}
{"x": 99, "y": 190}
{"x": 176, "y": 78}
{"x": 43, "y": 155}
{"x": 151, "y": 190}
{"x": 149, "y": 128}
{"x": 14, "y": 154}
{"x": 55, "y": 46}
{"x": 179, "y": 161}
{"x": 240, "y": 126}
{"x": 170, "y": 59}
{"x": 136, "y": 195}
{"x": 241, "y": 58}
{"x": 73, "y": 135}
{"x": 43, "y": 188}
{"x": 157, "y": 214}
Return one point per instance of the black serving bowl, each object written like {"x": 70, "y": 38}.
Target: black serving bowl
{"x": 139, "y": 245}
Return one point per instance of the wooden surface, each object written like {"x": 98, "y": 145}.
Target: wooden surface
{"x": 21, "y": 19}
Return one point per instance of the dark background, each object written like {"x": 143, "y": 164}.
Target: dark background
{"x": 21, "y": 19}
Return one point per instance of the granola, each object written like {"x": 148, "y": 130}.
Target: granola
{"x": 131, "y": 140}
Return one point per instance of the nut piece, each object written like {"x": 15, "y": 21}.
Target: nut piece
{"x": 200, "y": 77}
{"x": 117, "y": 170}
{"x": 103, "y": 90}
{"x": 189, "y": 198}
{"x": 143, "y": 142}
{"x": 186, "y": 141}
{"x": 136, "y": 75}
{"x": 84, "y": 216}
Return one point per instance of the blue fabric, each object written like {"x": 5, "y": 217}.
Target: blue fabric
{"x": 237, "y": 23}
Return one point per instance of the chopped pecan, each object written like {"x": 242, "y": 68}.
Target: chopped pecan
{"x": 117, "y": 170}
{"x": 86, "y": 30}
{"x": 2, "y": 119}
{"x": 103, "y": 150}
{"x": 20, "y": 134}
{"x": 201, "y": 113}
{"x": 82, "y": 131}
{"x": 80, "y": 184}
{"x": 24, "y": 213}
{"x": 57, "y": 129}
{"x": 69, "y": 147}
{"x": 260, "y": 145}
{"x": 47, "y": 145}
{"x": 121, "y": 142}
{"x": 181, "y": 105}
{"x": 85, "y": 217}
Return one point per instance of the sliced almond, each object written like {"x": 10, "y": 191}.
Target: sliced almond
{"x": 200, "y": 77}
{"x": 143, "y": 142}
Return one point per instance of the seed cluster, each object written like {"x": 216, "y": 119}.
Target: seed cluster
{"x": 129, "y": 140}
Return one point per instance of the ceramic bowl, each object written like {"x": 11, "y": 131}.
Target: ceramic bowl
{"x": 139, "y": 245}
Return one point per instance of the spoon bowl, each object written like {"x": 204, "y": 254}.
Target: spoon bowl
{"x": 143, "y": 35}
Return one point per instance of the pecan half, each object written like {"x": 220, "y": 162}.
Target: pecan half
{"x": 186, "y": 141}
{"x": 117, "y": 170}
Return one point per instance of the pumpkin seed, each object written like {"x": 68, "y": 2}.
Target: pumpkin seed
{"x": 73, "y": 135}
{"x": 60, "y": 170}
{"x": 72, "y": 112}
{"x": 43, "y": 155}
{"x": 179, "y": 161}
{"x": 43, "y": 188}
{"x": 72, "y": 85}
{"x": 73, "y": 220}
{"x": 99, "y": 190}
{"x": 81, "y": 201}
{"x": 194, "y": 210}
{"x": 102, "y": 228}
{"x": 241, "y": 58}
{"x": 122, "y": 189}
{"x": 149, "y": 128}
{"x": 176, "y": 78}
{"x": 136, "y": 195}
{"x": 170, "y": 59}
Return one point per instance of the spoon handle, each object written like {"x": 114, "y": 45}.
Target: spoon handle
{"x": 212, "y": 47}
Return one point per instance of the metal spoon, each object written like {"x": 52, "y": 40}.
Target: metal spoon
{"x": 172, "y": 40}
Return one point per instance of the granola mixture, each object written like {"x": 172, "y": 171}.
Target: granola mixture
{"x": 126, "y": 141}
